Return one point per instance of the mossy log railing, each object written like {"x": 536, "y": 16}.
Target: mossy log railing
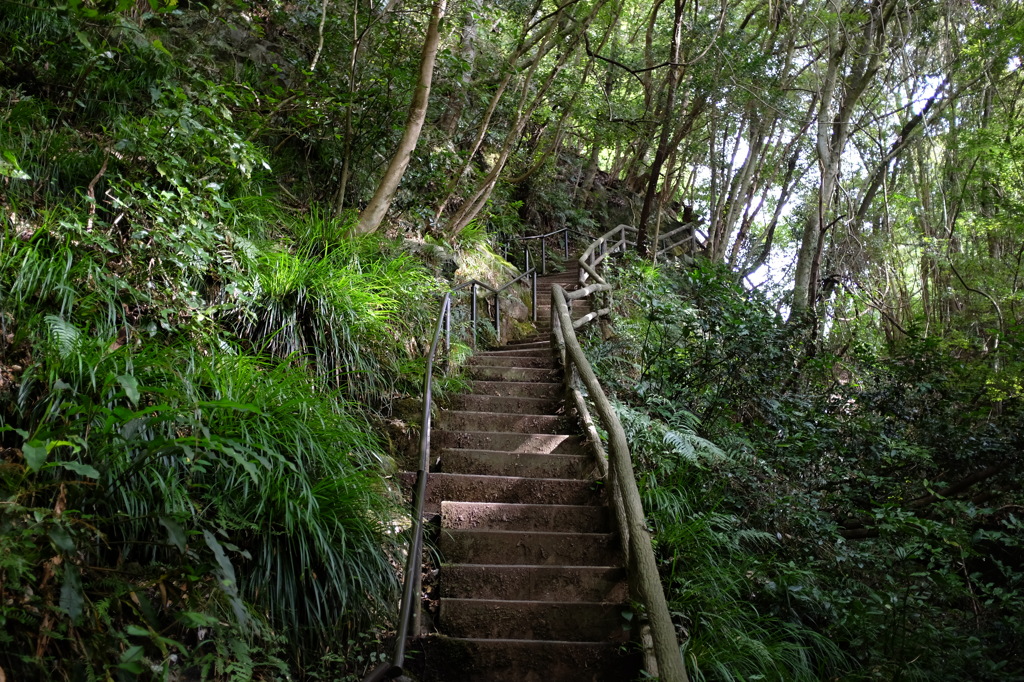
{"x": 617, "y": 465}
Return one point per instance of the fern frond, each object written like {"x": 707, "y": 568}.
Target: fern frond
{"x": 68, "y": 337}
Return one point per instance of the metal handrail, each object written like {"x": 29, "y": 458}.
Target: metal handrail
{"x": 409, "y": 610}
{"x": 564, "y": 231}
{"x": 616, "y": 466}
{"x": 474, "y": 284}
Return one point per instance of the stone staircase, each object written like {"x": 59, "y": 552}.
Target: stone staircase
{"x": 532, "y": 585}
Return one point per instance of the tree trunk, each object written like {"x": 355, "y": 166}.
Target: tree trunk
{"x": 476, "y": 202}
{"x": 674, "y": 75}
{"x": 833, "y": 131}
{"x": 371, "y": 217}
{"x": 449, "y": 122}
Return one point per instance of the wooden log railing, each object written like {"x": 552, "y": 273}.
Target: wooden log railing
{"x": 664, "y": 658}
{"x": 688, "y": 236}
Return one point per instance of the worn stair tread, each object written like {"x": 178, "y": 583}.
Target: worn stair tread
{"x": 524, "y": 362}
{"x": 513, "y": 547}
{"x": 504, "y": 422}
{"x": 491, "y": 373}
{"x": 542, "y": 350}
{"x": 526, "y": 389}
{"x": 535, "y": 582}
{"x": 504, "y": 463}
{"x": 515, "y": 404}
{"x": 580, "y": 518}
{"x": 471, "y": 659}
{"x": 535, "y": 443}
{"x": 477, "y": 488}
{"x": 473, "y": 487}
{"x": 564, "y": 621}
{"x": 532, "y": 342}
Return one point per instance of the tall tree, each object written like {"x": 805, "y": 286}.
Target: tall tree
{"x": 664, "y": 137}
{"x": 371, "y": 216}
{"x": 852, "y": 59}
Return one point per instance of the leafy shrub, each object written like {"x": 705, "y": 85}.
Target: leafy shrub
{"x": 839, "y": 505}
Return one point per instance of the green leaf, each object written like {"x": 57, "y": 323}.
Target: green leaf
{"x": 197, "y": 619}
{"x": 84, "y": 39}
{"x": 226, "y": 577}
{"x": 175, "y": 533}
{"x": 131, "y": 660}
{"x": 137, "y": 631}
{"x": 160, "y": 46}
{"x": 9, "y": 167}
{"x": 131, "y": 387}
{"x": 72, "y": 601}
{"x": 35, "y": 454}
{"x": 81, "y": 469}
{"x": 61, "y": 539}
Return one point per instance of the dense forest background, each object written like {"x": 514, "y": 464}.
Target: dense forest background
{"x": 224, "y": 226}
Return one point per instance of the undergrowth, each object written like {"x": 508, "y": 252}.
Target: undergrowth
{"x": 804, "y": 506}
{"x": 192, "y": 365}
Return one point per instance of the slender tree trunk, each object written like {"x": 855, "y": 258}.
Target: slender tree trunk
{"x": 473, "y": 205}
{"x": 546, "y": 43}
{"x": 833, "y": 131}
{"x": 349, "y": 132}
{"x": 449, "y": 122}
{"x": 371, "y": 217}
{"x": 674, "y": 75}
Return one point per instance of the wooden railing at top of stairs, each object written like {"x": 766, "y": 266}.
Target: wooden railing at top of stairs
{"x": 616, "y": 466}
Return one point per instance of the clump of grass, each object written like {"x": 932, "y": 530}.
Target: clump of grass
{"x": 238, "y": 487}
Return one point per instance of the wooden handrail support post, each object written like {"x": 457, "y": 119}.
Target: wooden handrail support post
{"x": 618, "y": 468}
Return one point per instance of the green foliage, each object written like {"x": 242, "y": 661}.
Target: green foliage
{"x": 340, "y": 307}
{"x": 717, "y": 568}
{"x": 837, "y": 506}
{"x": 189, "y": 369}
{"x": 193, "y": 466}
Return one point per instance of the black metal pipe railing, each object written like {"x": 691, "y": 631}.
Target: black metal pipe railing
{"x": 408, "y": 616}
{"x": 564, "y": 231}
{"x": 409, "y": 610}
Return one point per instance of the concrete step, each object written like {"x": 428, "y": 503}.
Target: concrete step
{"x": 542, "y": 350}
{"x": 510, "y": 404}
{"x": 538, "y": 443}
{"x": 577, "y": 311}
{"x": 517, "y": 388}
{"x": 554, "y": 518}
{"x": 535, "y": 583}
{"x": 534, "y": 548}
{"x": 498, "y": 463}
{"x": 515, "y": 489}
{"x": 540, "y": 337}
{"x": 487, "y": 373}
{"x": 456, "y": 420}
{"x": 533, "y": 342}
{"x": 452, "y": 659}
{"x": 563, "y": 621}
{"x": 527, "y": 362}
